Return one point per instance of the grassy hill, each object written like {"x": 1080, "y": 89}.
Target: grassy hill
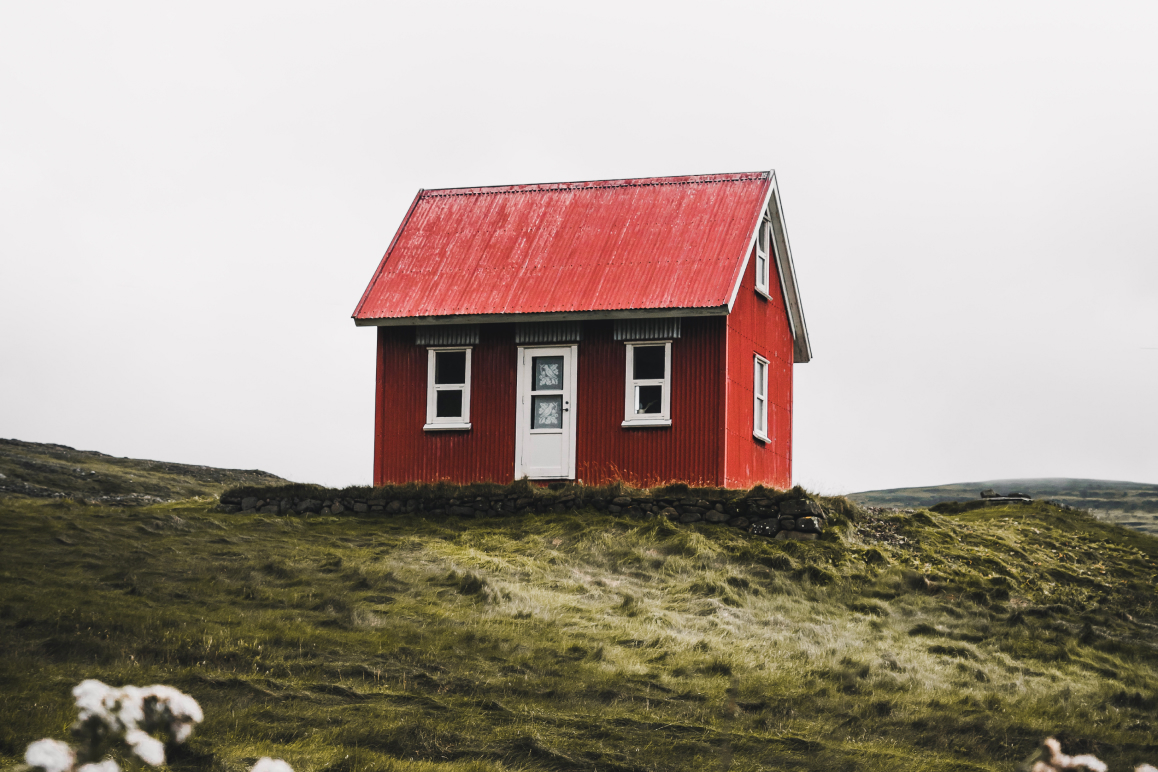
{"x": 38, "y": 470}
{"x": 1134, "y": 505}
{"x": 585, "y": 641}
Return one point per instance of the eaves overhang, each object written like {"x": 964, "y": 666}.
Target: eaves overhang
{"x": 560, "y": 316}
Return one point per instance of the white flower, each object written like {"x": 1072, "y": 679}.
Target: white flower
{"x": 149, "y": 749}
{"x": 90, "y": 697}
{"x": 108, "y": 765}
{"x": 181, "y": 732}
{"x": 266, "y": 764}
{"x": 177, "y": 711}
{"x": 128, "y": 703}
{"x": 50, "y": 755}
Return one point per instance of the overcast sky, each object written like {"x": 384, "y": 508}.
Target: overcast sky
{"x": 193, "y": 198}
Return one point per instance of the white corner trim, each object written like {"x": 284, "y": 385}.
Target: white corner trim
{"x": 445, "y": 427}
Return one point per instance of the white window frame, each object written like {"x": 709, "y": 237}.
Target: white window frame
{"x": 433, "y": 422}
{"x": 760, "y": 394}
{"x": 662, "y": 418}
{"x": 763, "y": 258}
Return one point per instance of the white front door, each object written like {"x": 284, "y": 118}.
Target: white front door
{"x": 545, "y": 427}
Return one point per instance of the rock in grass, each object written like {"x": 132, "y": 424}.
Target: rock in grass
{"x": 691, "y": 517}
{"x": 808, "y": 524}
{"x": 764, "y": 527}
{"x": 670, "y": 513}
{"x": 796, "y": 536}
{"x": 738, "y": 522}
{"x": 713, "y": 516}
{"x": 800, "y": 508}
{"x": 787, "y": 524}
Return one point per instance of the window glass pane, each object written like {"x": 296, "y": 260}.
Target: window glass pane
{"x": 546, "y": 412}
{"x": 548, "y": 373}
{"x": 648, "y": 363}
{"x": 449, "y": 367}
{"x": 648, "y": 399}
{"x": 760, "y": 377}
{"x": 448, "y": 403}
{"x": 761, "y": 425}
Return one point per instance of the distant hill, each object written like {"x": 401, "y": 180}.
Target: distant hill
{"x": 39, "y": 470}
{"x": 1131, "y": 504}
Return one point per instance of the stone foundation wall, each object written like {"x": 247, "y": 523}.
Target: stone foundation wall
{"x": 782, "y": 515}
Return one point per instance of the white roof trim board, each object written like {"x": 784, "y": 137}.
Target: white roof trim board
{"x": 801, "y": 348}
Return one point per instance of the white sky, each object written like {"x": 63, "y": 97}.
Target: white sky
{"x": 192, "y": 200}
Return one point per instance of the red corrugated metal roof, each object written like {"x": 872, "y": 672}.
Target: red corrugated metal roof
{"x": 612, "y": 245}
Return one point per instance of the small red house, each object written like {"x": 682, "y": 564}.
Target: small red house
{"x": 639, "y": 329}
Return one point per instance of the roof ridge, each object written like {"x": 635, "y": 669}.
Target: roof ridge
{"x": 687, "y": 179}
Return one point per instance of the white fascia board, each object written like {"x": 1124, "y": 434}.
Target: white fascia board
{"x": 559, "y": 316}
{"x": 802, "y": 348}
{"x": 752, "y": 240}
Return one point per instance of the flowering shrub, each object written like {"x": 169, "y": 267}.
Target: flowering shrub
{"x": 1049, "y": 758}
{"x": 126, "y": 718}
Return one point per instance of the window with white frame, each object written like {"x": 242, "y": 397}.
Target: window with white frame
{"x": 647, "y": 397}
{"x": 763, "y": 250}
{"x": 447, "y": 389}
{"x": 760, "y": 399}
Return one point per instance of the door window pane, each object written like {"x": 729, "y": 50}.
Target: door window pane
{"x": 648, "y": 363}
{"x": 548, "y": 373}
{"x": 546, "y": 412}
{"x": 449, "y": 367}
{"x": 648, "y": 399}
{"x": 448, "y": 404}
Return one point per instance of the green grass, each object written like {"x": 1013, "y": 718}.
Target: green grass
{"x": 585, "y": 641}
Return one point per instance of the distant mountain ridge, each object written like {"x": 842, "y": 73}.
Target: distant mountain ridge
{"x": 43, "y": 470}
{"x": 1131, "y": 504}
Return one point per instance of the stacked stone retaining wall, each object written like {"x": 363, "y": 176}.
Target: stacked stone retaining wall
{"x": 779, "y": 514}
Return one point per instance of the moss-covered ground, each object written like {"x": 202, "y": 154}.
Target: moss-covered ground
{"x": 583, "y": 641}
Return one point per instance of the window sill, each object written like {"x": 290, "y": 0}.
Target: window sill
{"x": 764, "y": 291}
{"x": 761, "y": 437}
{"x": 652, "y": 422}
{"x": 446, "y": 427}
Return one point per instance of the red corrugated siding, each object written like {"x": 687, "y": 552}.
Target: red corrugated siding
{"x": 758, "y": 325}
{"x": 403, "y": 452}
{"x": 686, "y": 451}
{"x": 670, "y": 242}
